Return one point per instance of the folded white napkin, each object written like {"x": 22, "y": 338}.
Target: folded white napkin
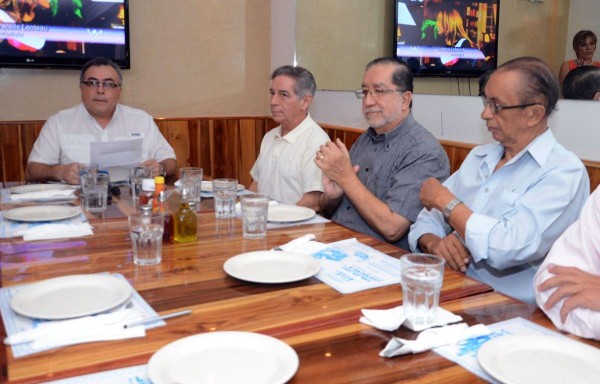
{"x": 296, "y": 243}
{"x": 54, "y": 334}
{"x": 55, "y": 231}
{"x": 51, "y": 194}
{"x": 392, "y": 319}
{"x": 433, "y": 338}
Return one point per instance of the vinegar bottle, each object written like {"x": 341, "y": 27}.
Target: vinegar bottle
{"x": 185, "y": 221}
{"x": 168, "y": 233}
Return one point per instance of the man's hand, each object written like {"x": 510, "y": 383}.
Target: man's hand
{"x": 334, "y": 161}
{"x": 155, "y": 166}
{"x": 450, "y": 248}
{"x": 578, "y": 288}
{"x": 434, "y": 194}
{"x": 68, "y": 173}
{"x": 331, "y": 189}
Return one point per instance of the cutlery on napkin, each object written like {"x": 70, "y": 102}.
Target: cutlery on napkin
{"x": 392, "y": 319}
{"x": 109, "y": 326}
{"x": 433, "y": 338}
{"x": 296, "y": 243}
{"x": 55, "y": 231}
{"x": 51, "y": 194}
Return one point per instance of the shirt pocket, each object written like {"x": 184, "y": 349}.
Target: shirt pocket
{"x": 75, "y": 148}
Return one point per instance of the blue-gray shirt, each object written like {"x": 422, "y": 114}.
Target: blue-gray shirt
{"x": 393, "y": 166}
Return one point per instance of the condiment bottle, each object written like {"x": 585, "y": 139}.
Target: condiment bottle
{"x": 168, "y": 234}
{"x": 185, "y": 221}
{"x": 147, "y": 191}
{"x": 159, "y": 186}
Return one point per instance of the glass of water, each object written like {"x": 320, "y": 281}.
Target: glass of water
{"x": 255, "y": 209}
{"x": 191, "y": 182}
{"x": 84, "y": 169}
{"x": 224, "y": 192}
{"x": 422, "y": 277}
{"x": 146, "y": 232}
{"x": 94, "y": 187}
{"x": 136, "y": 175}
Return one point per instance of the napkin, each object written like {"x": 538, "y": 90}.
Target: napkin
{"x": 51, "y": 194}
{"x": 52, "y": 334}
{"x": 296, "y": 243}
{"x": 55, "y": 231}
{"x": 392, "y": 319}
{"x": 433, "y": 338}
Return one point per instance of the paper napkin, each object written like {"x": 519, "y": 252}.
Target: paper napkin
{"x": 51, "y": 194}
{"x": 60, "y": 333}
{"x": 296, "y": 243}
{"x": 392, "y": 319}
{"x": 433, "y": 338}
{"x": 55, "y": 231}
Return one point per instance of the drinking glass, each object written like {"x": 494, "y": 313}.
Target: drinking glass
{"x": 255, "y": 208}
{"x": 225, "y": 192}
{"x": 136, "y": 175}
{"x": 422, "y": 277}
{"x": 146, "y": 232}
{"x": 84, "y": 169}
{"x": 94, "y": 187}
{"x": 191, "y": 180}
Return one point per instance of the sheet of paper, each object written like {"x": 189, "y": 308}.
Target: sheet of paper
{"x": 130, "y": 375}
{"x": 465, "y": 352}
{"x": 117, "y": 156}
{"x": 350, "y": 266}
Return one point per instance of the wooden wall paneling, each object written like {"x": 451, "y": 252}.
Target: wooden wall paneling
{"x": 11, "y": 152}
{"x": 177, "y": 134}
{"x": 593, "y": 169}
{"x": 249, "y": 130}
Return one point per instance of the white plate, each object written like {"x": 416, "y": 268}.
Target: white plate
{"x": 207, "y": 186}
{"x": 41, "y": 213}
{"x": 272, "y": 267}
{"x": 280, "y": 213}
{"x": 540, "y": 359}
{"x": 224, "y": 357}
{"x": 71, "y": 296}
{"x": 27, "y": 188}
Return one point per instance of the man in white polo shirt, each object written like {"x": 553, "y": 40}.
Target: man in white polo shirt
{"x": 285, "y": 170}
{"x": 65, "y": 139}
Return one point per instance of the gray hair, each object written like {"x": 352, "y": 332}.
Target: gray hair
{"x": 402, "y": 76}
{"x": 538, "y": 85}
{"x": 305, "y": 82}
{"x": 101, "y": 62}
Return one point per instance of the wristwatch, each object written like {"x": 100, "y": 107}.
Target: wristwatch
{"x": 451, "y": 205}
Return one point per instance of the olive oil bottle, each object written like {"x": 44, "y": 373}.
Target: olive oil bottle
{"x": 185, "y": 221}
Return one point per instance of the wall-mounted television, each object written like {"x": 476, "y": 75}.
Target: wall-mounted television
{"x": 447, "y": 37}
{"x": 63, "y": 33}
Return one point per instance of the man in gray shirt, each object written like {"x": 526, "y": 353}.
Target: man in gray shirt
{"x": 374, "y": 188}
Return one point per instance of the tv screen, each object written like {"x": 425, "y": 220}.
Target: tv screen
{"x": 63, "y": 33}
{"x": 447, "y": 37}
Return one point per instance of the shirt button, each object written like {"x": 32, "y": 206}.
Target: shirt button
{"x": 347, "y": 208}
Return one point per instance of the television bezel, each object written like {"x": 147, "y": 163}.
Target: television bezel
{"x": 65, "y": 62}
{"x": 452, "y": 72}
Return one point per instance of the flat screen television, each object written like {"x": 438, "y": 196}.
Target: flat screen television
{"x": 63, "y": 33}
{"x": 447, "y": 37}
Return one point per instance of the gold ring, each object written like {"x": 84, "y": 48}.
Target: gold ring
{"x": 321, "y": 157}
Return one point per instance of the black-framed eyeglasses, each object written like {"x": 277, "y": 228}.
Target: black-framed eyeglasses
{"x": 96, "y": 84}
{"x": 362, "y": 93}
{"x": 497, "y": 108}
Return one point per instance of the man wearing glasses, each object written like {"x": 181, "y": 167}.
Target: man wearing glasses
{"x": 374, "y": 188}
{"x": 66, "y": 137}
{"x": 498, "y": 215}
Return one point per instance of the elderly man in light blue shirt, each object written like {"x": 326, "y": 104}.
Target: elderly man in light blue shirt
{"x": 498, "y": 215}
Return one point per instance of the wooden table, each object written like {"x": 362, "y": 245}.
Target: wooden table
{"x": 317, "y": 321}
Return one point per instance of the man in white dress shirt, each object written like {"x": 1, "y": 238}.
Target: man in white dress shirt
{"x": 285, "y": 170}
{"x": 65, "y": 139}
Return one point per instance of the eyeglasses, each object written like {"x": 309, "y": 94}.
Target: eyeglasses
{"x": 497, "y": 108}
{"x": 96, "y": 84}
{"x": 362, "y": 93}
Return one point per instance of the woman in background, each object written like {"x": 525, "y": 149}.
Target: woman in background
{"x": 584, "y": 45}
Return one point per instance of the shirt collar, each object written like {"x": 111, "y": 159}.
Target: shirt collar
{"x": 295, "y": 133}
{"x": 539, "y": 150}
